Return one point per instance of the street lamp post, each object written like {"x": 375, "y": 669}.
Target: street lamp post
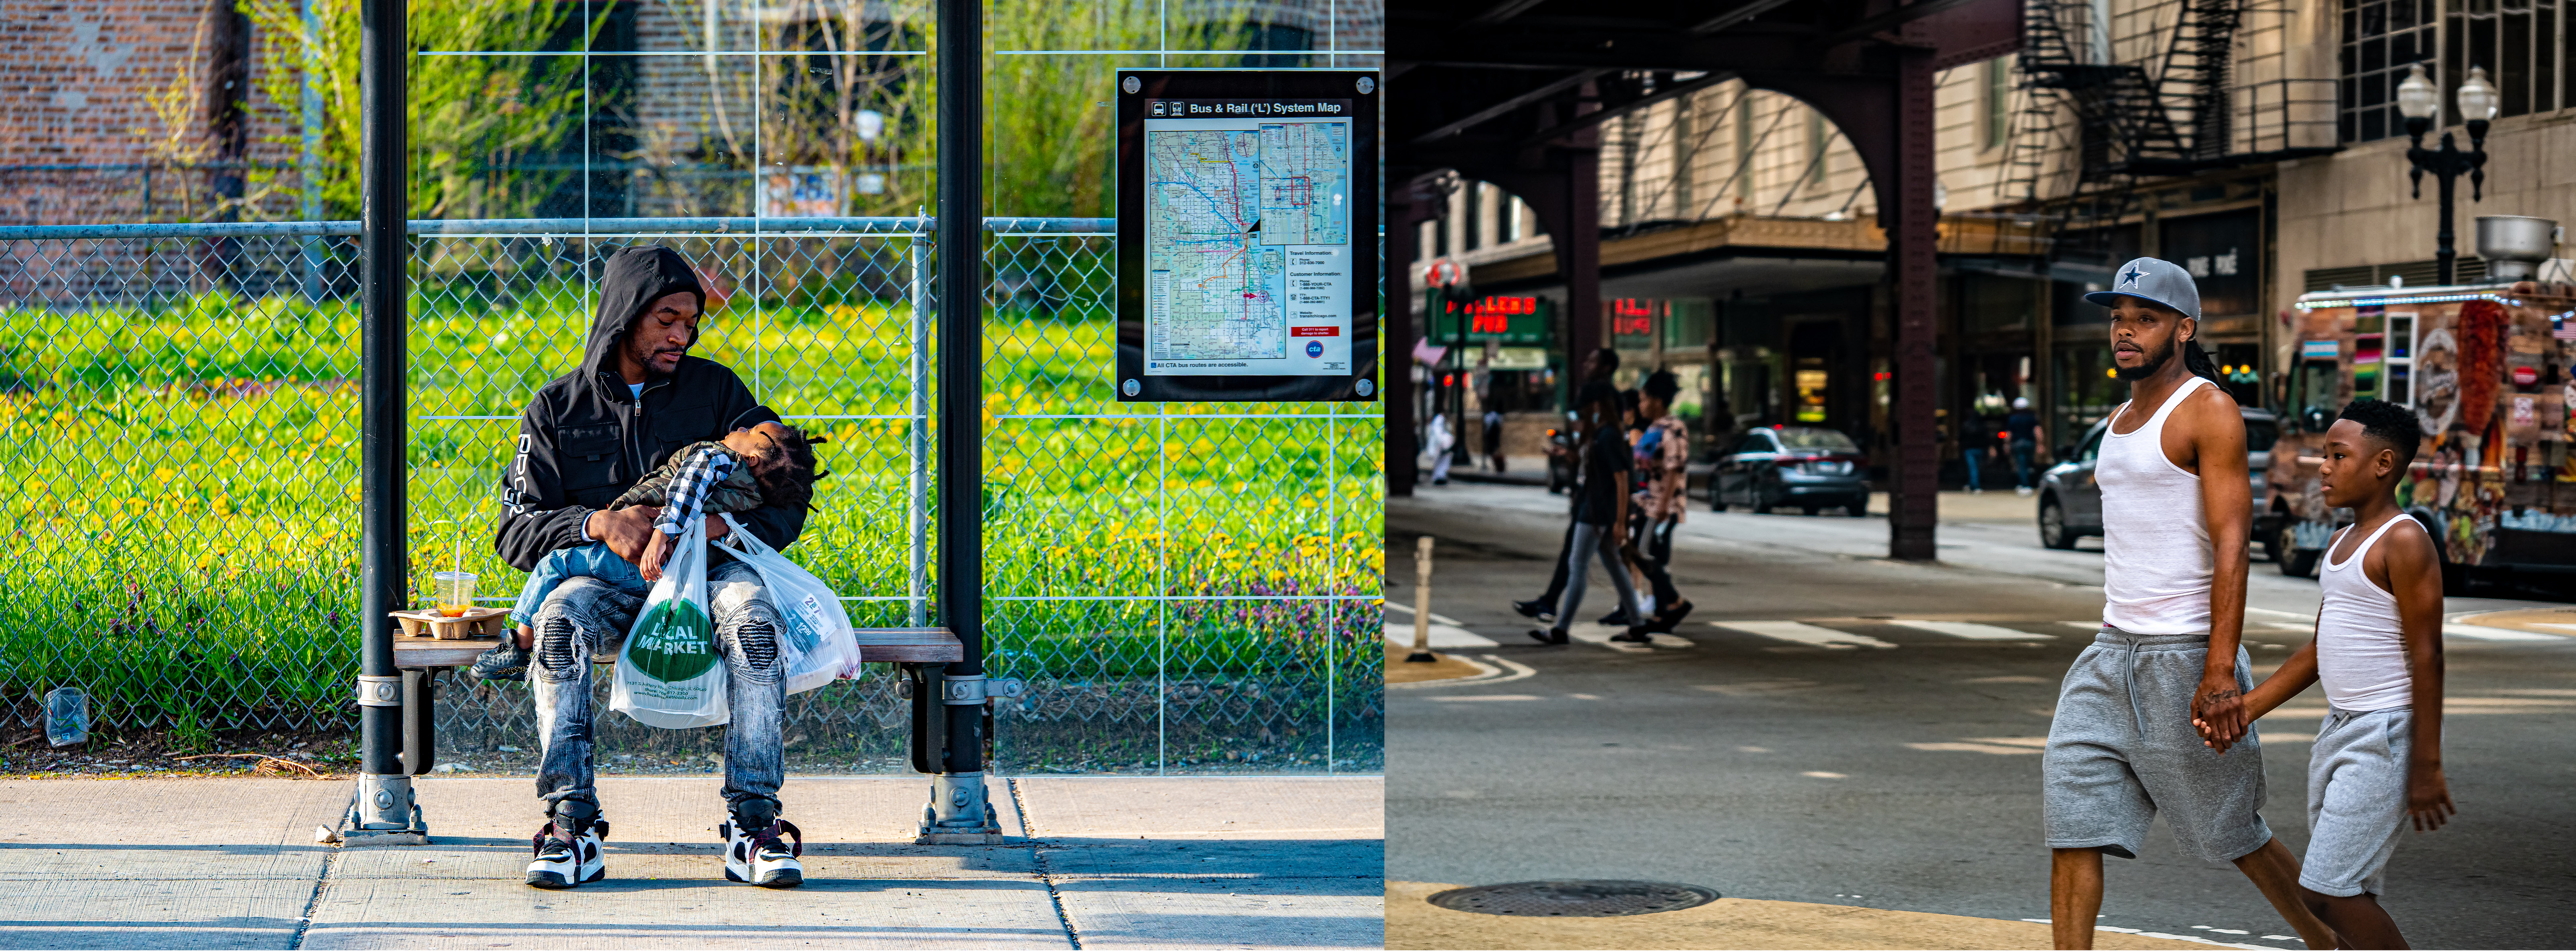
{"x": 2420, "y": 102}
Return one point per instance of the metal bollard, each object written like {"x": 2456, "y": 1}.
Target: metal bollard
{"x": 1422, "y": 603}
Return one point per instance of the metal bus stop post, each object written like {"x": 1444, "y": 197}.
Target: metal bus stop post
{"x": 949, "y": 720}
{"x": 384, "y": 811}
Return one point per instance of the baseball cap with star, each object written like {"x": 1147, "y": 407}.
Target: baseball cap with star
{"x": 2155, "y": 281}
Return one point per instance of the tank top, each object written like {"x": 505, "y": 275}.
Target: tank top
{"x": 2155, "y": 542}
{"x": 2361, "y": 647}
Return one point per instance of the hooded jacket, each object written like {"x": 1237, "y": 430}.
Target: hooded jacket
{"x": 585, "y": 439}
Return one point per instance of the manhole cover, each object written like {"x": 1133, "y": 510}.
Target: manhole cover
{"x": 1574, "y": 899}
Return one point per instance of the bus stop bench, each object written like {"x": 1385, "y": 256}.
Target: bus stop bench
{"x": 919, "y": 650}
{"x": 877, "y": 645}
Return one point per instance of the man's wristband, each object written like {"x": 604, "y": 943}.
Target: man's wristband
{"x": 585, "y": 526}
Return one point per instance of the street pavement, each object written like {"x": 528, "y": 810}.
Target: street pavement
{"x": 1089, "y": 862}
{"x": 1834, "y": 727}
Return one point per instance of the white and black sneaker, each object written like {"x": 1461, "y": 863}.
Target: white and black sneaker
{"x": 567, "y": 863}
{"x": 762, "y": 858}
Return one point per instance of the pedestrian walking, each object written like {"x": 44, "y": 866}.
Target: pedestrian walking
{"x": 2022, "y": 434}
{"x": 1663, "y": 477}
{"x": 2377, "y": 763}
{"x": 1599, "y": 523}
{"x": 1599, "y": 367}
{"x": 2125, "y": 741}
{"x": 1494, "y": 437}
{"x": 1441, "y": 442}
{"x": 1976, "y": 436}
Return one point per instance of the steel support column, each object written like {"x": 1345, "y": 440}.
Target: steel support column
{"x": 1405, "y": 214}
{"x": 958, "y": 811}
{"x": 1578, "y": 246}
{"x": 384, "y": 803}
{"x": 1912, "y": 499}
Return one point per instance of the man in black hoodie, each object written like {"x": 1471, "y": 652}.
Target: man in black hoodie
{"x": 586, "y": 437}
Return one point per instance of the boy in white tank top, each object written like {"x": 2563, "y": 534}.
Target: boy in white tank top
{"x": 2377, "y": 763}
{"x": 2177, "y": 508}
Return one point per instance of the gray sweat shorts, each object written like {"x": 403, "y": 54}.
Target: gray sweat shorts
{"x": 2122, "y": 747}
{"x": 2356, "y": 799}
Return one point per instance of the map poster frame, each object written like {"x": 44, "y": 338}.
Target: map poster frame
{"x": 1290, "y": 330}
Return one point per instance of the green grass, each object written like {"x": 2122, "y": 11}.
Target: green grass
{"x": 185, "y": 503}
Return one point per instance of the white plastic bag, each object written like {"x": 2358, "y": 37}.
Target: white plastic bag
{"x": 817, "y": 642}
{"x": 668, "y": 673}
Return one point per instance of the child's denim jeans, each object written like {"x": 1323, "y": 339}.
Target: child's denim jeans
{"x": 593, "y": 560}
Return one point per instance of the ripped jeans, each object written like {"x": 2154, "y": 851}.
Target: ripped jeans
{"x": 586, "y": 618}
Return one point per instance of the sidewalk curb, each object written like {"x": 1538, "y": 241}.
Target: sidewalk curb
{"x": 1412, "y": 922}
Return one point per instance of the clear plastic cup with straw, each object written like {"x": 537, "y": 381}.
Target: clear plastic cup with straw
{"x": 453, "y": 590}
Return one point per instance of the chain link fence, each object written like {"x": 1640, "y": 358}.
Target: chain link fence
{"x": 1186, "y": 588}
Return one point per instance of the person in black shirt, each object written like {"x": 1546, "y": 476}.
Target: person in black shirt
{"x": 2022, "y": 434}
{"x": 1597, "y": 369}
{"x": 1601, "y": 515}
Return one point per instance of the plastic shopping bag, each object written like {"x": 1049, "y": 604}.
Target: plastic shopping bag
{"x": 817, "y": 641}
{"x": 668, "y": 674}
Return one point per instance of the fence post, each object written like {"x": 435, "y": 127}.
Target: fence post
{"x": 310, "y": 163}
{"x": 958, "y": 811}
{"x": 917, "y": 579}
{"x": 384, "y": 809}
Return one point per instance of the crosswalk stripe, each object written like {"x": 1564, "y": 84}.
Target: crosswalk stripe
{"x": 1974, "y": 632}
{"x": 1442, "y": 636}
{"x": 1797, "y": 633}
{"x": 2475, "y": 632}
{"x": 1436, "y": 617}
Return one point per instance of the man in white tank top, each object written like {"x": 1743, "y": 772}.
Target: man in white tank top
{"x": 2177, "y": 510}
{"x": 2377, "y": 762}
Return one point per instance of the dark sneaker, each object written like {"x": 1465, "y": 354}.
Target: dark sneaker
{"x": 567, "y": 863}
{"x": 1553, "y": 637}
{"x": 1669, "y": 618}
{"x": 1536, "y": 610}
{"x": 1618, "y": 618}
{"x": 762, "y": 858}
{"x": 1635, "y": 635}
{"x": 505, "y": 661}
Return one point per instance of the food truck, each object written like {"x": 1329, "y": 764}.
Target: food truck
{"x": 2487, "y": 369}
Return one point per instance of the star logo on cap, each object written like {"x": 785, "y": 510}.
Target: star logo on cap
{"x": 2132, "y": 276}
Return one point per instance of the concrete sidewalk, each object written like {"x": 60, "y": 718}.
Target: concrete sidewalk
{"x": 1106, "y": 862}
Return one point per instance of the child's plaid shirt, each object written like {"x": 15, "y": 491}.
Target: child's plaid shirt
{"x": 703, "y": 469}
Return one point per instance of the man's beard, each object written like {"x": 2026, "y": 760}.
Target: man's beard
{"x": 652, "y": 368}
{"x": 2155, "y": 361}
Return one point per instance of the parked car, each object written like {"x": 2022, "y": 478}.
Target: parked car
{"x": 2070, "y": 502}
{"x": 1805, "y": 467}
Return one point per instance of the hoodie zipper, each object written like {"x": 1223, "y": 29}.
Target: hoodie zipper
{"x": 635, "y": 447}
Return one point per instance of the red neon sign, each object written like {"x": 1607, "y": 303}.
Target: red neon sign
{"x": 1632, "y": 317}
{"x": 1493, "y": 315}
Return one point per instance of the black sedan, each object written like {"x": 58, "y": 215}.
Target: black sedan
{"x": 1804, "y": 467}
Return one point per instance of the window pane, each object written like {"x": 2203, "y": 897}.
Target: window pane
{"x": 2374, "y": 124}
{"x": 2514, "y": 80}
{"x": 2374, "y": 89}
{"x": 2544, "y": 69}
{"x": 2374, "y": 19}
{"x": 2374, "y": 54}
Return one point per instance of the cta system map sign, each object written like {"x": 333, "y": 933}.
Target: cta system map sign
{"x": 1247, "y": 235}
